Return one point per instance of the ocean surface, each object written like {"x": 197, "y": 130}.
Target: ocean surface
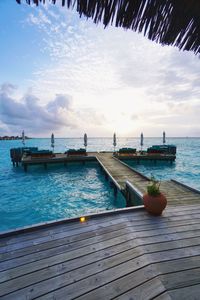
{"x": 59, "y": 192}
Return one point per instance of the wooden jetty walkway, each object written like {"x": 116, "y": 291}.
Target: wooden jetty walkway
{"x": 123, "y": 255}
{"x": 120, "y": 173}
{"x": 176, "y": 193}
{"x": 27, "y": 160}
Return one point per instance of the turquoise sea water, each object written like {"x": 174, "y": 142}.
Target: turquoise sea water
{"x": 58, "y": 192}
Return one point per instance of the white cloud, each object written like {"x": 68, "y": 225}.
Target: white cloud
{"x": 57, "y": 115}
{"x": 119, "y": 81}
{"x": 40, "y": 20}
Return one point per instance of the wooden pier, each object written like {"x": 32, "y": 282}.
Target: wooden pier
{"x": 18, "y": 157}
{"x": 147, "y": 157}
{"x": 119, "y": 172}
{"x": 122, "y": 254}
{"x": 58, "y": 158}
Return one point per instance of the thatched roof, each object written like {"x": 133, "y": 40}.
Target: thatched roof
{"x": 168, "y": 22}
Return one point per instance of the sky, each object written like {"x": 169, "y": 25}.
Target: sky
{"x": 64, "y": 74}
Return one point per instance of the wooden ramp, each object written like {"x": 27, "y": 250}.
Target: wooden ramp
{"x": 176, "y": 193}
{"x": 128, "y": 255}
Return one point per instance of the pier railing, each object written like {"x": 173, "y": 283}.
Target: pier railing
{"x": 133, "y": 195}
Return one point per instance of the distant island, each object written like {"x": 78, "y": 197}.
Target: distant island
{"x": 8, "y": 138}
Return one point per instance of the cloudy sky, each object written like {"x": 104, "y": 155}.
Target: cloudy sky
{"x": 64, "y": 74}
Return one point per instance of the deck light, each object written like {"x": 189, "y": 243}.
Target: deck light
{"x": 82, "y": 219}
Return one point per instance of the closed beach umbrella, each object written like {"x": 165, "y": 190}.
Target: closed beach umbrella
{"x": 85, "y": 140}
{"x": 52, "y": 141}
{"x": 164, "y": 137}
{"x": 23, "y": 137}
{"x": 141, "y": 140}
{"x": 114, "y": 140}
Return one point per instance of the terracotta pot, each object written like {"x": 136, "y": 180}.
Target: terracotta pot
{"x": 155, "y": 204}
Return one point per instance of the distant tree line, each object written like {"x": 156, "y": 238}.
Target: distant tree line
{"x": 8, "y": 138}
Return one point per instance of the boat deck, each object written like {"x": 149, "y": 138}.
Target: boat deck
{"x": 123, "y": 255}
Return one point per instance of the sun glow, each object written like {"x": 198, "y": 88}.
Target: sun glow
{"x": 124, "y": 127}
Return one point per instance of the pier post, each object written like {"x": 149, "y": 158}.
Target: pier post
{"x": 115, "y": 191}
{"x": 106, "y": 176}
{"x": 101, "y": 169}
{"x": 128, "y": 198}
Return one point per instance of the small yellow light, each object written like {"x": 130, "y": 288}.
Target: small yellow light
{"x": 82, "y": 219}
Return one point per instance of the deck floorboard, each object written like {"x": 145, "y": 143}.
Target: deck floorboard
{"x": 132, "y": 255}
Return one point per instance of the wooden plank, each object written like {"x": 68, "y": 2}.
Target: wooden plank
{"x": 72, "y": 236}
{"x": 107, "y": 242}
{"x": 145, "y": 291}
{"x": 140, "y": 242}
{"x": 112, "y": 249}
{"x": 57, "y": 228}
{"x": 96, "y": 230}
{"x": 185, "y": 186}
{"x": 166, "y": 296}
{"x": 82, "y": 229}
{"x": 29, "y": 235}
{"x": 125, "y": 283}
{"x": 44, "y": 239}
{"x": 182, "y": 278}
{"x": 191, "y": 292}
{"x": 134, "y": 225}
{"x": 98, "y": 265}
{"x": 51, "y": 257}
{"x": 117, "y": 280}
{"x": 116, "y": 254}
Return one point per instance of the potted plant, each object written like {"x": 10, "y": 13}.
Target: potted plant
{"x": 154, "y": 201}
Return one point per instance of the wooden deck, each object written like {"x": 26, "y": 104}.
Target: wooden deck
{"x": 58, "y": 158}
{"x": 176, "y": 193}
{"x": 147, "y": 157}
{"x": 128, "y": 255}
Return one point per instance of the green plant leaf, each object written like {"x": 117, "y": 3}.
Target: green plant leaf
{"x": 153, "y": 189}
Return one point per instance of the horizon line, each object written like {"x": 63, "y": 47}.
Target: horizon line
{"x": 109, "y": 137}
